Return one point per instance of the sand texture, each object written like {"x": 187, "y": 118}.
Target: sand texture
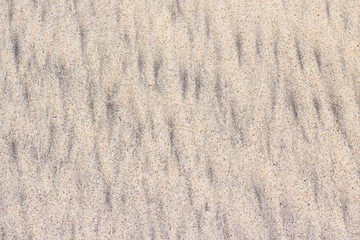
{"x": 179, "y": 119}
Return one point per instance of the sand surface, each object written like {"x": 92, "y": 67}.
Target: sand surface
{"x": 179, "y": 119}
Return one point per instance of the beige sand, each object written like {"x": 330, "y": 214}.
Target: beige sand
{"x": 179, "y": 119}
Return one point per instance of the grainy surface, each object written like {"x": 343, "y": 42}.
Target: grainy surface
{"x": 179, "y": 119}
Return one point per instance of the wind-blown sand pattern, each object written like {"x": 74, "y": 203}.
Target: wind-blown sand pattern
{"x": 180, "y": 119}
